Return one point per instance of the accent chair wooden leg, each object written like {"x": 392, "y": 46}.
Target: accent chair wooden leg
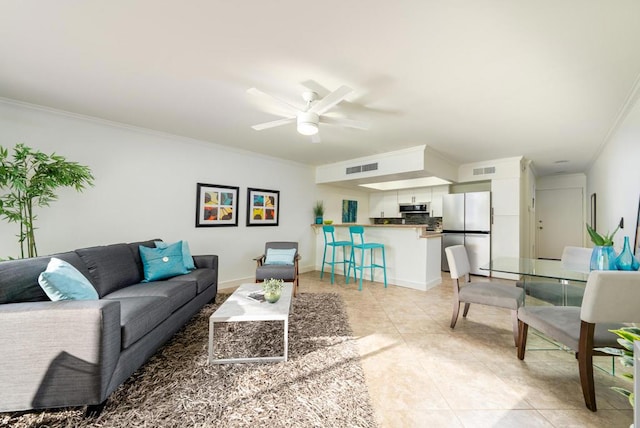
{"x": 522, "y": 339}
{"x": 466, "y": 309}
{"x": 514, "y": 326}
{"x": 456, "y": 310}
{"x": 585, "y": 364}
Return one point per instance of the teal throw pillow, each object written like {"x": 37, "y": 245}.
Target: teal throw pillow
{"x": 161, "y": 263}
{"x": 187, "y": 258}
{"x": 277, "y": 256}
{"x": 61, "y": 281}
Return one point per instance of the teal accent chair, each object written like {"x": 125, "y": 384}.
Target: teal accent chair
{"x": 358, "y": 243}
{"x": 330, "y": 242}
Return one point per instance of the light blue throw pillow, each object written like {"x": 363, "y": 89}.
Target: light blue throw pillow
{"x": 187, "y": 258}
{"x": 61, "y": 281}
{"x": 277, "y": 256}
{"x": 161, "y": 263}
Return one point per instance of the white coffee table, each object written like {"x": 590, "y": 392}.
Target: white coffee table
{"x": 239, "y": 307}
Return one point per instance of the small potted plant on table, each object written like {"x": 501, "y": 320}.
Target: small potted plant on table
{"x": 272, "y": 289}
{"x": 318, "y": 211}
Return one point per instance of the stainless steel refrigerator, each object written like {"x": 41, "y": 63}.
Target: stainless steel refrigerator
{"x": 466, "y": 220}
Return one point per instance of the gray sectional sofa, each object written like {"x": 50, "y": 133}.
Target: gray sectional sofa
{"x": 77, "y": 352}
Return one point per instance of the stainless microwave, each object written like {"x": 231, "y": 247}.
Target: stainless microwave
{"x": 422, "y": 208}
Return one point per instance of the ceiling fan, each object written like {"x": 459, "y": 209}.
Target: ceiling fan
{"x": 309, "y": 117}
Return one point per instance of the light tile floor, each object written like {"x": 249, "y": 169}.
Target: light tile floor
{"x": 420, "y": 373}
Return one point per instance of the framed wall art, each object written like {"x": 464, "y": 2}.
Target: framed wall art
{"x": 636, "y": 244}
{"x": 263, "y": 207}
{"x": 349, "y": 211}
{"x": 216, "y": 205}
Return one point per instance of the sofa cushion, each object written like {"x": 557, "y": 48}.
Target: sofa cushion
{"x": 177, "y": 292}
{"x": 278, "y": 256}
{"x": 111, "y": 267}
{"x": 204, "y": 278}
{"x": 140, "y": 315}
{"x": 19, "y": 278}
{"x": 187, "y": 258}
{"x": 135, "y": 251}
{"x": 161, "y": 263}
{"x": 61, "y": 281}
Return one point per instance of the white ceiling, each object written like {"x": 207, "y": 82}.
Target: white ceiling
{"x": 474, "y": 80}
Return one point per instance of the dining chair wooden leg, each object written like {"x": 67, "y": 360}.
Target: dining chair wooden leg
{"x": 466, "y": 309}
{"x": 454, "y": 315}
{"x": 585, "y": 364}
{"x": 522, "y": 339}
{"x": 514, "y": 326}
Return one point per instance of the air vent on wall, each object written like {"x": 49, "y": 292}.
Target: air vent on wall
{"x": 484, "y": 171}
{"x": 362, "y": 168}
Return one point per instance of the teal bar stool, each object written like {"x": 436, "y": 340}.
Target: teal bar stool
{"x": 330, "y": 241}
{"x": 357, "y": 242}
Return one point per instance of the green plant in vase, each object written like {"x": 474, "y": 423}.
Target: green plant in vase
{"x": 627, "y": 336}
{"x": 318, "y": 211}
{"x": 603, "y": 256}
{"x": 272, "y": 289}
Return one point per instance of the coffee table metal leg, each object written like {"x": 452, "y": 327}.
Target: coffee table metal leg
{"x": 286, "y": 338}
{"x": 211, "y": 326}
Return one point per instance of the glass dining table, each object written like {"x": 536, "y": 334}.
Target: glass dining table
{"x": 552, "y": 281}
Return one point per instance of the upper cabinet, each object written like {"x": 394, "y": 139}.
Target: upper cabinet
{"x": 437, "y": 193}
{"x": 383, "y": 204}
{"x": 414, "y": 196}
{"x": 505, "y": 196}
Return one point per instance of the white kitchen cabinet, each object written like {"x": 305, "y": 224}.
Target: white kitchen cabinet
{"x": 383, "y": 204}
{"x": 414, "y": 196}
{"x": 437, "y": 192}
{"x": 505, "y": 196}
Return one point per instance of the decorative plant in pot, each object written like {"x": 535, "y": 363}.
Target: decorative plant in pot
{"x": 272, "y": 289}
{"x": 318, "y": 211}
{"x": 28, "y": 181}
{"x": 627, "y": 335}
{"x": 603, "y": 256}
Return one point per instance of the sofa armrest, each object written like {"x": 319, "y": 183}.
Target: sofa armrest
{"x": 57, "y": 353}
{"x": 208, "y": 261}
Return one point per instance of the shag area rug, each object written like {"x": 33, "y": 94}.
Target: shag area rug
{"x": 321, "y": 385}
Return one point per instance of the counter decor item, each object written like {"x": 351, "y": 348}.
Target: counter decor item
{"x": 626, "y": 260}
{"x": 603, "y": 256}
{"x": 318, "y": 211}
{"x": 272, "y": 289}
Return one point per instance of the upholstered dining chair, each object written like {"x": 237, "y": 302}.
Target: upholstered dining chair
{"x": 573, "y": 258}
{"x": 611, "y": 298}
{"x": 484, "y": 293}
{"x": 279, "y": 261}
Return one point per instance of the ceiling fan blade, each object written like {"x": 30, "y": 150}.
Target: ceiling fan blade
{"x": 282, "y": 103}
{"x": 273, "y": 123}
{"x": 349, "y": 123}
{"x": 315, "y": 138}
{"x": 331, "y": 100}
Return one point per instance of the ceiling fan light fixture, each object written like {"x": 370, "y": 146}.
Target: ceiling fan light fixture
{"x": 308, "y": 123}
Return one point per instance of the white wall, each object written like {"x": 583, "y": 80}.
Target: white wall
{"x": 145, "y": 187}
{"x": 615, "y": 177}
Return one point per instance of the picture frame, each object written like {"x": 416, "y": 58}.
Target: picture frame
{"x": 216, "y": 205}
{"x": 593, "y": 212}
{"x": 636, "y": 244}
{"x": 263, "y": 207}
{"x": 349, "y": 211}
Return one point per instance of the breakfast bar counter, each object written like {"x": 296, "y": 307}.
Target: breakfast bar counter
{"x": 412, "y": 253}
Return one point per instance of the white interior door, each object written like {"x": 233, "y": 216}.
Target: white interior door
{"x": 559, "y": 221}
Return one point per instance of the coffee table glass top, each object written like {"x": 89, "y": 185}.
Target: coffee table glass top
{"x": 536, "y": 267}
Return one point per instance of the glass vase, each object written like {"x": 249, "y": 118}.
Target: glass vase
{"x": 626, "y": 260}
{"x": 603, "y": 258}
{"x": 272, "y": 296}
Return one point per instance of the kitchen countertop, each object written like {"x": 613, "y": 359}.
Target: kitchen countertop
{"x": 425, "y": 233}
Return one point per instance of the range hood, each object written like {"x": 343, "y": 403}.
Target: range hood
{"x": 418, "y": 162}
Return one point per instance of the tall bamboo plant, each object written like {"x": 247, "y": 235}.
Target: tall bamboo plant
{"x": 29, "y": 180}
